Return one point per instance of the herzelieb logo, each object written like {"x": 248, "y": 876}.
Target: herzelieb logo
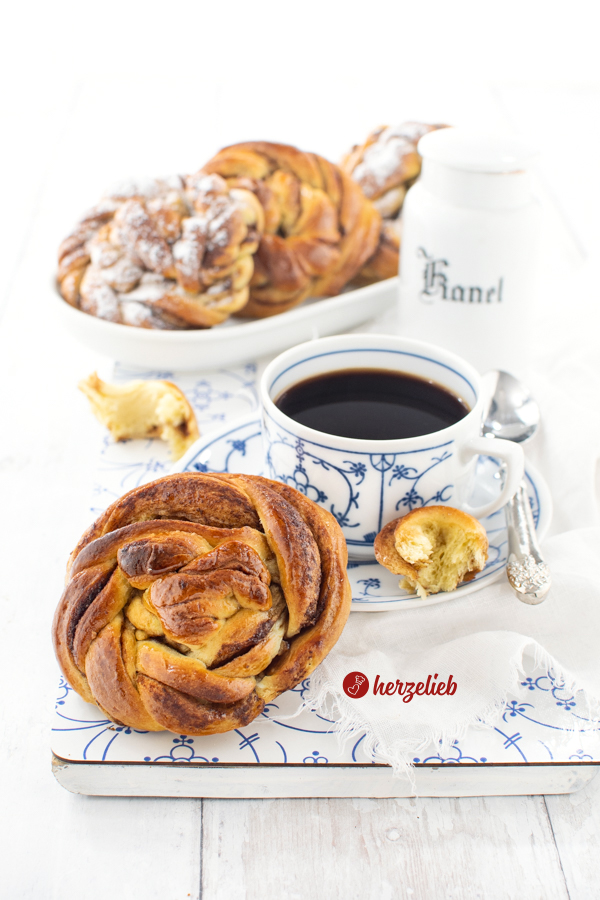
{"x": 356, "y": 685}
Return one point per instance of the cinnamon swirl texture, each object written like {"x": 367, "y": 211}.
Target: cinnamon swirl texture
{"x": 197, "y": 599}
{"x": 319, "y": 228}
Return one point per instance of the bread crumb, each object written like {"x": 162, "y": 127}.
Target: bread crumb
{"x": 143, "y": 409}
{"x": 435, "y": 548}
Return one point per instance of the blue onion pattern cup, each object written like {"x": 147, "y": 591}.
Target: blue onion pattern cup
{"x": 366, "y": 484}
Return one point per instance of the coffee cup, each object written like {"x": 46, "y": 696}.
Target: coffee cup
{"x": 366, "y": 483}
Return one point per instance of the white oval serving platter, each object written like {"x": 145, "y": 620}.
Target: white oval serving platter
{"x": 233, "y": 342}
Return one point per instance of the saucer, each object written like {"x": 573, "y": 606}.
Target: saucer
{"x": 238, "y": 448}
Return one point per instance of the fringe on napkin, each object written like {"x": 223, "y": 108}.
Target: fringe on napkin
{"x": 326, "y": 698}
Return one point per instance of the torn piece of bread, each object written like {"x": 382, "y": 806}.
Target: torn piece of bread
{"x": 434, "y": 547}
{"x": 143, "y": 409}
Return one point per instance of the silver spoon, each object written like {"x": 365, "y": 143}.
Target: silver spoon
{"x": 513, "y": 414}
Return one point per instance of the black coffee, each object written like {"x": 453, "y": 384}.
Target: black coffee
{"x": 371, "y": 404}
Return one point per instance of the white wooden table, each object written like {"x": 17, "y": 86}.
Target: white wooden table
{"x": 96, "y": 101}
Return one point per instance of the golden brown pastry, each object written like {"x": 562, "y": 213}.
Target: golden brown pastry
{"x": 434, "y": 547}
{"x": 170, "y": 254}
{"x": 143, "y": 409}
{"x": 319, "y": 227}
{"x": 195, "y": 600}
{"x": 385, "y": 166}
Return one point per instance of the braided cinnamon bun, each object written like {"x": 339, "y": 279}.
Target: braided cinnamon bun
{"x": 171, "y": 254}
{"x": 195, "y": 600}
{"x": 319, "y": 227}
{"x": 385, "y": 166}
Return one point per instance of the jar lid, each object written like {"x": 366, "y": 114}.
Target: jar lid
{"x": 472, "y": 151}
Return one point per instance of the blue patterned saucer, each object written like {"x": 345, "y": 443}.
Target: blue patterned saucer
{"x": 238, "y": 448}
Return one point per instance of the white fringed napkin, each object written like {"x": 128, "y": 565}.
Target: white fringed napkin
{"x": 485, "y": 640}
{"x": 482, "y": 640}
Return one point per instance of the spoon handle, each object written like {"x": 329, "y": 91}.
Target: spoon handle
{"x": 527, "y": 572}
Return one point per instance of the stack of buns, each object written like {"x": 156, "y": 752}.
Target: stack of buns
{"x": 256, "y": 231}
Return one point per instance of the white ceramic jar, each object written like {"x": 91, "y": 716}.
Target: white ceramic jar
{"x": 470, "y": 241}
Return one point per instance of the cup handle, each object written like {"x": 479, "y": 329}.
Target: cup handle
{"x": 511, "y": 454}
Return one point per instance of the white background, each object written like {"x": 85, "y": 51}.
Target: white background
{"x": 94, "y": 92}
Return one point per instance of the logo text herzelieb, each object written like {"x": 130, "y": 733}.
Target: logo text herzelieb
{"x": 356, "y": 685}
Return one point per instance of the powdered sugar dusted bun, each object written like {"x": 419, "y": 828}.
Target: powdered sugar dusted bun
{"x": 385, "y": 166}
{"x": 168, "y": 253}
{"x": 435, "y": 548}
